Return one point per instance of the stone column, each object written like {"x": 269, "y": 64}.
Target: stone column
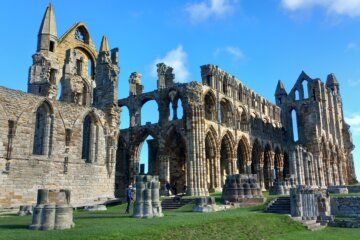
{"x": 340, "y": 169}
{"x": 261, "y": 176}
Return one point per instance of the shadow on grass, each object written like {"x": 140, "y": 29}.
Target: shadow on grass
{"x": 14, "y": 226}
{"x": 103, "y": 216}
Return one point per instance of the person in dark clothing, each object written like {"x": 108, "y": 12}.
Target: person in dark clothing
{"x": 168, "y": 187}
{"x": 129, "y": 198}
{"x": 174, "y": 189}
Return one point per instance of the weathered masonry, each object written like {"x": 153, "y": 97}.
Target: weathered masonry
{"x": 64, "y": 132}
{"x": 226, "y": 128}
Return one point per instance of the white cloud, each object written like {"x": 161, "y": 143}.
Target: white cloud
{"x": 354, "y": 120}
{"x": 177, "y": 59}
{"x": 203, "y": 10}
{"x": 235, "y": 52}
{"x": 349, "y": 8}
{"x": 351, "y": 46}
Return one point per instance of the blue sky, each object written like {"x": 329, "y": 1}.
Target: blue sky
{"x": 258, "y": 41}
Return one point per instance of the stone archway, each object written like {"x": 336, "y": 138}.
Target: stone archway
{"x": 243, "y": 157}
{"x": 211, "y": 181}
{"x": 279, "y": 165}
{"x": 268, "y": 166}
{"x": 257, "y": 162}
{"x": 226, "y": 158}
{"x": 122, "y": 169}
{"x": 176, "y": 152}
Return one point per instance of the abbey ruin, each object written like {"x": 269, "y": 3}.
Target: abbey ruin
{"x": 226, "y": 128}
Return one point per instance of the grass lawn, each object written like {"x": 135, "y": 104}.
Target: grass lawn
{"x": 246, "y": 223}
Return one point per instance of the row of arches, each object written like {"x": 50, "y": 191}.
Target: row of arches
{"x": 265, "y": 162}
{"x": 148, "y": 110}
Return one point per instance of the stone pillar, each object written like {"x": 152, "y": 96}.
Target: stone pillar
{"x": 261, "y": 176}
{"x": 341, "y": 173}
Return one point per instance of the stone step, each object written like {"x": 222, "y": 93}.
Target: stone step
{"x": 170, "y": 204}
{"x": 281, "y": 206}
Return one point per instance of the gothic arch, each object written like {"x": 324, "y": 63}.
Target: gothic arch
{"x": 226, "y": 112}
{"x": 42, "y": 144}
{"x": 210, "y": 106}
{"x": 226, "y": 156}
{"x": 268, "y": 166}
{"x": 243, "y": 155}
{"x": 90, "y": 138}
{"x": 211, "y": 154}
{"x": 176, "y": 152}
{"x": 256, "y": 157}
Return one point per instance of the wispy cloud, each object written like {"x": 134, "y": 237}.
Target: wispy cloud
{"x": 235, "y": 52}
{"x": 354, "y": 122}
{"x": 203, "y": 10}
{"x": 353, "y": 83}
{"x": 351, "y": 46}
{"x": 177, "y": 59}
{"x": 350, "y": 8}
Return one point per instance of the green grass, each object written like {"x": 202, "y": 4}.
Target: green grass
{"x": 344, "y": 194}
{"x": 245, "y": 223}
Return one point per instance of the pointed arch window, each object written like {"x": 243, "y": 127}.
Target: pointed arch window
{"x": 90, "y": 139}
{"x": 295, "y": 125}
{"x": 43, "y": 131}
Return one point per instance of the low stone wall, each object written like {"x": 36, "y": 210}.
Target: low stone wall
{"x": 345, "y": 206}
{"x": 354, "y": 189}
{"x": 345, "y": 223}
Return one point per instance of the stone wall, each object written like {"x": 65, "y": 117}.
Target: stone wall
{"x": 354, "y": 189}
{"x": 345, "y": 206}
{"x": 22, "y": 172}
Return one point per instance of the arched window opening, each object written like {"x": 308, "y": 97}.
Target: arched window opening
{"x": 60, "y": 87}
{"x": 176, "y": 109}
{"x": 297, "y": 95}
{"x": 225, "y": 86}
{"x": 90, "y": 68}
{"x": 244, "y": 126}
{"x": 148, "y": 155}
{"x": 90, "y": 139}
{"x": 240, "y": 93}
{"x": 124, "y": 118}
{"x": 43, "y": 131}
{"x": 82, "y": 35}
{"x": 147, "y": 112}
{"x": 305, "y": 89}
{"x": 226, "y": 115}
{"x": 295, "y": 125}
{"x": 210, "y": 110}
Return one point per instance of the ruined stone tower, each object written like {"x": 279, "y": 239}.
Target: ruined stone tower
{"x": 62, "y": 133}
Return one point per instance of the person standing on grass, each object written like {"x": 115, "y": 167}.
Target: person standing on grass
{"x": 129, "y": 198}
